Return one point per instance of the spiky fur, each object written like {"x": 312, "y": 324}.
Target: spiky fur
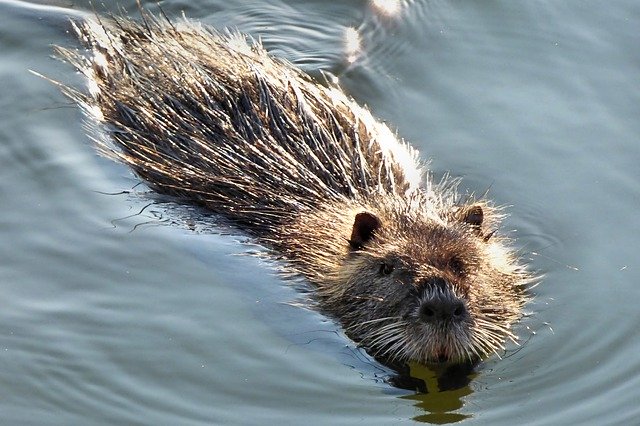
{"x": 217, "y": 122}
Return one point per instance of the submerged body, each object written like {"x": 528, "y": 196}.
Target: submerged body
{"x": 410, "y": 271}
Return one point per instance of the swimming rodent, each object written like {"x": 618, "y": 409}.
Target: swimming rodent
{"x": 411, "y": 269}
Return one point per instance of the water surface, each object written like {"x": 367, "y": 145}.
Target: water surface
{"x": 111, "y": 314}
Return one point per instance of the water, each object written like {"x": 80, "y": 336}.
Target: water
{"x": 108, "y": 316}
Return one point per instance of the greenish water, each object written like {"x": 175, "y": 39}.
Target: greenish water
{"x": 112, "y": 316}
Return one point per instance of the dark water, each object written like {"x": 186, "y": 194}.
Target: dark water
{"x": 112, "y": 316}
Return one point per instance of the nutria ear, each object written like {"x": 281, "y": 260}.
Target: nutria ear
{"x": 472, "y": 215}
{"x": 364, "y": 227}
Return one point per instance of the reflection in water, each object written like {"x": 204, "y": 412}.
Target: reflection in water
{"x": 387, "y": 7}
{"x": 439, "y": 390}
{"x": 369, "y": 48}
{"x": 352, "y": 44}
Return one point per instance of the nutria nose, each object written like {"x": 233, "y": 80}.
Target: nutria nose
{"x": 442, "y": 309}
{"x": 439, "y": 304}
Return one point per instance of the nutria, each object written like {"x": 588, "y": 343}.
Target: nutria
{"x": 412, "y": 270}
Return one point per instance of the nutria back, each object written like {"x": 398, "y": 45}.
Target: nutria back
{"x": 412, "y": 271}
{"x": 209, "y": 117}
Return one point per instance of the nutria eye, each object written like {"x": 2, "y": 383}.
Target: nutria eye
{"x": 456, "y": 266}
{"x": 386, "y": 269}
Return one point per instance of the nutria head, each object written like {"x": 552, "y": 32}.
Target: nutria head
{"x": 419, "y": 286}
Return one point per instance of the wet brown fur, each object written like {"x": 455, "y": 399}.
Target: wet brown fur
{"x": 216, "y": 122}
